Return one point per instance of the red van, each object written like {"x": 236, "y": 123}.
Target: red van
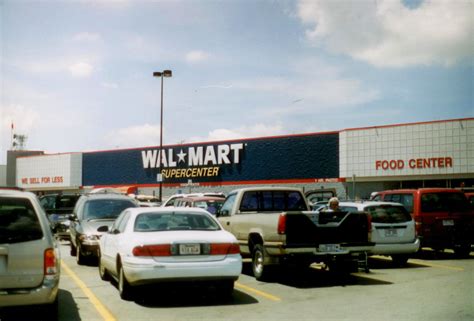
{"x": 444, "y": 218}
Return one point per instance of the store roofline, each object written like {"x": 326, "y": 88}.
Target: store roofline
{"x": 409, "y": 124}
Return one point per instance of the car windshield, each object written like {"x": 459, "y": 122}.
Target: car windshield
{"x": 388, "y": 214}
{"x": 105, "y": 208}
{"x": 444, "y": 202}
{"x": 347, "y": 208}
{"x": 149, "y": 222}
{"x": 211, "y": 206}
{"x": 18, "y": 221}
{"x": 268, "y": 201}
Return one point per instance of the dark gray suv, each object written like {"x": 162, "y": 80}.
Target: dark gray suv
{"x": 29, "y": 255}
{"x": 91, "y": 212}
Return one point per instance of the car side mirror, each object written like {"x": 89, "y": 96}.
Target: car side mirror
{"x": 72, "y": 217}
{"x": 103, "y": 229}
{"x": 223, "y": 213}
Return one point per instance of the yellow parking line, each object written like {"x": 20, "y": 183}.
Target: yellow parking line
{"x": 449, "y": 267}
{"x": 424, "y": 263}
{"x": 106, "y": 315}
{"x": 258, "y": 292}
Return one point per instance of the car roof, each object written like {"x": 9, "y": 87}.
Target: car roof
{"x": 15, "y": 192}
{"x": 422, "y": 190}
{"x": 267, "y": 188}
{"x": 202, "y": 198}
{"x": 170, "y": 209}
{"x": 107, "y": 196}
{"x": 361, "y": 205}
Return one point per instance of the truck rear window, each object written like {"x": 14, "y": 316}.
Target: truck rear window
{"x": 444, "y": 202}
{"x": 271, "y": 201}
{"x": 388, "y": 214}
{"x": 405, "y": 199}
{"x": 18, "y": 221}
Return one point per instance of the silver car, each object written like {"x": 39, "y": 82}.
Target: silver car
{"x": 393, "y": 229}
{"x": 29, "y": 255}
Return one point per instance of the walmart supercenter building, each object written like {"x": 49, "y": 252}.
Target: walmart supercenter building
{"x": 354, "y": 162}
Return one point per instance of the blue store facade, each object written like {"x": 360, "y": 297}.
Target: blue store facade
{"x": 295, "y": 159}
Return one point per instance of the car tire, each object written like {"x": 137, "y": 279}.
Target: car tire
{"x": 51, "y": 310}
{"x": 125, "y": 290}
{"x": 261, "y": 271}
{"x": 226, "y": 288}
{"x": 103, "y": 273}
{"x": 80, "y": 259}
{"x": 73, "y": 250}
{"x": 400, "y": 259}
{"x": 463, "y": 250}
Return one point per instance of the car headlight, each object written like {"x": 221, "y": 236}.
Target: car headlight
{"x": 89, "y": 237}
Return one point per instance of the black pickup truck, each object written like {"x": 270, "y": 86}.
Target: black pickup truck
{"x": 274, "y": 226}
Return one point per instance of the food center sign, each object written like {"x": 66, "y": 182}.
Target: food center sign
{"x": 414, "y": 163}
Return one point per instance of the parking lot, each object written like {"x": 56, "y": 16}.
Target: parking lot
{"x": 433, "y": 286}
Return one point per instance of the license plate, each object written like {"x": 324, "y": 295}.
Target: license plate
{"x": 329, "y": 248}
{"x": 391, "y": 232}
{"x": 448, "y": 222}
{"x": 189, "y": 249}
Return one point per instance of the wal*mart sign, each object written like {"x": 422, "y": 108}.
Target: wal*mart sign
{"x": 193, "y": 156}
{"x": 261, "y": 159}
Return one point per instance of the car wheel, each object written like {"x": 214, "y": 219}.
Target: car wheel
{"x": 125, "y": 290}
{"x": 462, "y": 251}
{"x": 79, "y": 257}
{"x": 261, "y": 271}
{"x": 400, "y": 259}
{"x": 226, "y": 288}
{"x": 73, "y": 250}
{"x": 51, "y": 310}
{"x": 104, "y": 274}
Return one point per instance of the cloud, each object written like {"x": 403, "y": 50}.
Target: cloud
{"x": 87, "y": 37}
{"x": 134, "y": 136}
{"x": 330, "y": 91}
{"x": 387, "y": 33}
{"x": 196, "y": 56}
{"x": 257, "y": 130}
{"x": 24, "y": 118}
{"x": 81, "y": 69}
{"x": 109, "y": 85}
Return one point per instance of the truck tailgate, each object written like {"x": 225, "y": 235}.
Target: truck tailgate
{"x": 312, "y": 228}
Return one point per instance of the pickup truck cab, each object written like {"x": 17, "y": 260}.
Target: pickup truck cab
{"x": 443, "y": 216}
{"x": 274, "y": 226}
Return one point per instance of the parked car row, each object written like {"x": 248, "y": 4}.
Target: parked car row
{"x": 187, "y": 241}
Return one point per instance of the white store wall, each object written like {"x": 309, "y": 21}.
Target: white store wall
{"x": 62, "y": 171}
{"x": 394, "y": 150}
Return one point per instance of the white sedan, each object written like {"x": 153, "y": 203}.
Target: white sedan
{"x": 153, "y": 245}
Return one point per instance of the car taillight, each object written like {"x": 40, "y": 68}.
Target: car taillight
{"x": 50, "y": 262}
{"x": 369, "y": 226}
{"x": 282, "y": 224}
{"x": 369, "y": 223}
{"x": 152, "y": 250}
{"x": 224, "y": 249}
{"x": 418, "y": 226}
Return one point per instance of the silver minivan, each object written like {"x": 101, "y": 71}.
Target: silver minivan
{"x": 393, "y": 229}
{"x": 29, "y": 255}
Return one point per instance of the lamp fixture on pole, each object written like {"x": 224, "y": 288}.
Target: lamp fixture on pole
{"x": 161, "y": 74}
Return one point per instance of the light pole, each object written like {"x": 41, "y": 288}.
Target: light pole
{"x": 161, "y": 74}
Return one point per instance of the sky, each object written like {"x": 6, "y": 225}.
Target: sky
{"x": 78, "y": 75}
